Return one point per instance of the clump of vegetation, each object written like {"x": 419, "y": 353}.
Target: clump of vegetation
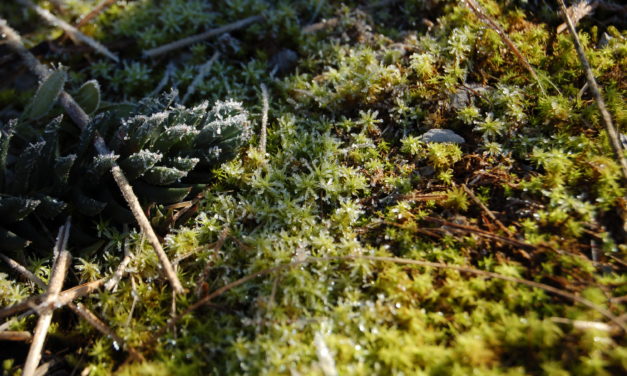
{"x": 348, "y": 186}
{"x": 166, "y": 151}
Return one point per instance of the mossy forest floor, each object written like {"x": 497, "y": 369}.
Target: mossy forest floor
{"x": 533, "y": 192}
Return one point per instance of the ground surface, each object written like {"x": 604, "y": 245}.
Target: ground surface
{"x": 532, "y": 191}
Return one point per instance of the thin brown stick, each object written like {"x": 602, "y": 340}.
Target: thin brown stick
{"x": 6, "y": 325}
{"x": 95, "y": 12}
{"x": 144, "y": 224}
{"x": 485, "y": 209}
{"x": 578, "y": 11}
{"x": 332, "y": 22}
{"x": 76, "y": 292}
{"x": 480, "y": 232}
{"x": 587, "y": 325}
{"x": 112, "y": 283}
{"x": 76, "y": 113}
{"x": 264, "y": 119}
{"x": 483, "y": 16}
{"x": 202, "y": 36}
{"x": 36, "y": 303}
{"x": 462, "y": 269}
{"x": 74, "y": 33}
{"x": 606, "y": 118}
{"x": 91, "y": 318}
{"x": 68, "y": 296}
{"x": 20, "y": 336}
{"x": 23, "y": 271}
{"x": 59, "y": 271}
{"x": 202, "y": 72}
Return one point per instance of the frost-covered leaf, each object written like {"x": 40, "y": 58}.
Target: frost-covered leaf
{"x": 16, "y": 208}
{"x": 50, "y": 207}
{"x": 88, "y": 96}
{"x": 138, "y": 163}
{"x": 183, "y": 164}
{"x": 161, "y": 175}
{"x": 103, "y": 164}
{"x": 87, "y": 205}
{"x": 160, "y": 195}
{"x": 62, "y": 167}
{"x": 25, "y": 165}
{"x": 47, "y": 94}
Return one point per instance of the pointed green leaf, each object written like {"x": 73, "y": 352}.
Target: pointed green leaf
{"x": 62, "y": 167}
{"x": 102, "y": 164}
{"x": 47, "y": 94}
{"x": 49, "y": 207}
{"x": 183, "y": 164}
{"x": 87, "y": 205}
{"x": 160, "y": 195}
{"x": 161, "y": 175}
{"x": 9, "y": 241}
{"x": 138, "y": 163}
{"x": 6, "y": 133}
{"x": 88, "y": 96}
{"x": 25, "y": 165}
{"x": 14, "y": 209}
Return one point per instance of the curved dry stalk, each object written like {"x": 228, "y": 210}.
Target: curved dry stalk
{"x": 606, "y": 118}
{"x": 81, "y": 119}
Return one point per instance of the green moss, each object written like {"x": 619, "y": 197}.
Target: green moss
{"x": 345, "y": 172}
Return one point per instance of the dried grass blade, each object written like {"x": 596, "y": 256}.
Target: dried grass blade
{"x": 59, "y": 271}
{"x": 69, "y": 29}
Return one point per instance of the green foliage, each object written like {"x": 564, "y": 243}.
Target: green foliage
{"x": 47, "y": 94}
{"x": 88, "y": 96}
{"x": 165, "y": 149}
{"x": 345, "y": 172}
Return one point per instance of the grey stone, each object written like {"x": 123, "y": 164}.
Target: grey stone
{"x": 441, "y": 136}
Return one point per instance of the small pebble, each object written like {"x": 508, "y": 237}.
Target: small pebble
{"x": 442, "y": 136}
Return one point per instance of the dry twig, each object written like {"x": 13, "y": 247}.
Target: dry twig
{"x": 34, "y": 303}
{"x": 587, "y": 325}
{"x": 112, "y": 283}
{"x": 483, "y": 16}
{"x": 59, "y": 271}
{"x": 20, "y": 336}
{"x": 577, "y": 12}
{"x": 606, "y": 118}
{"x": 68, "y": 296}
{"x": 264, "y": 119}
{"x": 74, "y": 33}
{"x": 202, "y": 36}
{"x": 488, "y": 212}
{"x": 202, "y": 72}
{"x": 95, "y": 12}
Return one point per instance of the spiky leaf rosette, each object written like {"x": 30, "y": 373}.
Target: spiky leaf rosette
{"x": 165, "y": 150}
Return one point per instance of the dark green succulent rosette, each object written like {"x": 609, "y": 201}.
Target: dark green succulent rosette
{"x": 167, "y": 151}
